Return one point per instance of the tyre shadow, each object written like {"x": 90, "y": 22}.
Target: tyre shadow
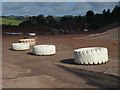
{"x": 17, "y": 50}
{"x": 31, "y": 53}
{"x": 71, "y": 61}
{"x": 11, "y": 49}
{"x": 68, "y": 61}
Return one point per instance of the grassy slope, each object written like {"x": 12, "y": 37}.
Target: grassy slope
{"x": 8, "y": 21}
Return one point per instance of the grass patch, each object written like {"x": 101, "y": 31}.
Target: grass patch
{"x": 7, "y": 21}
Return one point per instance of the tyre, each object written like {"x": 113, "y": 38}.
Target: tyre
{"x": 32, "y": 34}
{"x": 91, "y": 55}
{"x": 44, "y": 50}
{"x": 20, "y": 46}
{"x": 31, "y": 42}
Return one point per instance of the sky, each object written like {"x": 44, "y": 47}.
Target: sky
{"x": 54, "y": 8}
{"x": 59, "y": 0}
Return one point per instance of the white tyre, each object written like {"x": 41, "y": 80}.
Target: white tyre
{"x": 32, "y": 34}
{"x": 20, "y": 46}
{"x": 44, "y": 49}
{"x": 31, "y": 42}
{"x": 91, "y": 55}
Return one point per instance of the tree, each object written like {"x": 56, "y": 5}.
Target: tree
{"x": 106, "y": 16}
{"x": 79, "y": 22}
{"x": 51, "y": 21}
{"x": 40, "y": 20}
{"x": 104, "y": 12}
{"x": 90, "y": 20}
{"x": 116, "y": 13}
{"x": 67, "y": 23}
{"x": 89, "y": 16}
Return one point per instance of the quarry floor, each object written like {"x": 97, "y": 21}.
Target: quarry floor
{"x": 22, "y": 69}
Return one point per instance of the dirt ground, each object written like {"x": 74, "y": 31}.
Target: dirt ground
{"x": 22, "y": 69}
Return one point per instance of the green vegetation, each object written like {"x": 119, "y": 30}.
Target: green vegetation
{"x": 90, "y": 21}
{"x": 6, "y": 21}
{"x": 68, "y": 23}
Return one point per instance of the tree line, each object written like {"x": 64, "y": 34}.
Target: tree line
{"x": 90, "y": 21}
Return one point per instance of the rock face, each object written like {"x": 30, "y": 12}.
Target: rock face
{"x": 91, "y": 55}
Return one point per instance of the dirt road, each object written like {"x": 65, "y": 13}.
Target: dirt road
{"x": 59, "y": 70}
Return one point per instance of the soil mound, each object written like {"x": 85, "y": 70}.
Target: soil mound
{"x": 112, "y": 34}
